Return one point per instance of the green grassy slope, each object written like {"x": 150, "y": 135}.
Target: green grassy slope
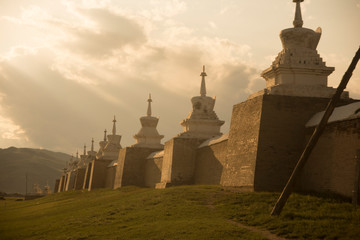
{"x": 40, "y": 165}
{"x": 187, "y": 212}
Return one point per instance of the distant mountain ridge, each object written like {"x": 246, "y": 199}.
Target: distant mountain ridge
{"x": 41, "y": 167}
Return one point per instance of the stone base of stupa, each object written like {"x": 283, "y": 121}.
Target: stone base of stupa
{"x": 299, "y": 91}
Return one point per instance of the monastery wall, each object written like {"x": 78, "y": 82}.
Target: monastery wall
{"x": 98, "y": 173}
{"x": 71, "y": 181}
{"x": 209, "y": 163}
{"x": 179, "y": 161}
{"x": 110, "y": 177}
{"x": 87, "y": 176}
{"x": 80, "y": 177}
{"x": 153, "y": 171}
{"x": 282, "y": 138}
{"x": 131, "y": 166}
{"x": 239, "y": 167}
{"x": 56, "y": 187}
{"x": 333, "y": 170}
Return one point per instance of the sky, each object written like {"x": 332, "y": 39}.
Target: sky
{"x": 68, "y": 66}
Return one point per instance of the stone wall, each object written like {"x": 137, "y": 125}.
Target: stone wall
{"x": 62, "y": 183}
{"x": 110, "y": 177}
{"x": 80, "y": 177}
{"x": 70, "y": 181}
{"x": 87, "y": 176}
{"x": 179, "y": 161}
{"x": 331, "y": 166}
{"x": 153, "y": 168}
{"x": 282, "y": 138}
{"x": 266, "y": 138}
{"x": 98, "y": 173}
{"x": 56, "y": 187}
{"x": 209, "y": 163}
{"x": 239, "y": 167}
{"x": 131, "y": 166}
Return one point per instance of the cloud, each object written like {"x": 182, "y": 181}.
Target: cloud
{"x": 98, "y": 62}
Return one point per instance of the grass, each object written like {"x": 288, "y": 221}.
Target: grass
{"x": 186, "y": 212}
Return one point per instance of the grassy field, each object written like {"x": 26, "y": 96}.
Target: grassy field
{"x": 187, "y": 212}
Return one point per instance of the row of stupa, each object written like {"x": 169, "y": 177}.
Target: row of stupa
{"x": 202, "y": 122}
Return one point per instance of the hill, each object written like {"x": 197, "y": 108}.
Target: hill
{"x": 41, "y": 166}
{"x": 185, "y": 212}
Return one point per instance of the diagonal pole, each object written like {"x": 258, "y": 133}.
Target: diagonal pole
{"x": 315, "y": 137}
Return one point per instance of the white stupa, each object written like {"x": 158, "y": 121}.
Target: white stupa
{"x": 102, "y": 145}
{"x": 92, "y": 153}
{"x": 112, "y": 147}
{"x": 202, "y": 122}
{"x": 298, "y": 70}
{"x": 83, "y": 158}
{"x": 148, "y": 136}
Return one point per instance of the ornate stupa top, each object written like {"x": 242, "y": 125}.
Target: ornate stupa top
{"x": 92, "y": 144}
{"x": 299, "y": 37}
{"x": 84, "y": 149}
{"x": 149, "y": 106}
{"x": 114, "y": 127}
{"x": 298, "y": 22}
{"x": 203, "y": 86}
{"x": 105, "y": 135}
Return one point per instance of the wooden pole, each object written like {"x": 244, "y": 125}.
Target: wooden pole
{"x": 355, "y": 198}
{"x": 315, "y": 137}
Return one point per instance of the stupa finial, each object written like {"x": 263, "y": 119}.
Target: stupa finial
{"x": 203, "y": 86}
{"x": 149, "y": 106}
{"x": 105, "y": 135}
{"x": 92, "y": 144}
{"x": 298, "y": 22}
{"x": 77, "y": 154}
{"x": 84, "y": 149}
{"x": 114, "y": 127}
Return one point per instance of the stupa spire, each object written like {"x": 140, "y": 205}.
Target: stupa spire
{"x": 84, "y": 149}
{"x": 92, "y": 144}
{"x": 203, "y": 86}
{"x": 149, "y": 106}
{"x": 298, "y": 22}
{"x": 77, "y": 154}
{"x": 105, "y": 135}
{"x": 114, "y": 127}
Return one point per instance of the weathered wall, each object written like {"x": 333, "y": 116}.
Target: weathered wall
{"x": 282, "y": 138}
{"x": 209, "y": 163}
{"x": 61, "y": 183}
{"x": 179, "y": 161}
{"x": 119, "y": 168}
{"x": 87, "y": 176}
{"x": 80, "y": 177}
{"x": 110, "y": 177}
{"x": 131, "y": 163}
{"x": 153, "y": 168}
{"x": 71, "y": 181}
{"x": 98, "y": 173}
{"x": 266, "y": 138}
{"x": 56, "y": 187}
{"x": 239, "y": 167}
{"x": 331, "y": 166}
